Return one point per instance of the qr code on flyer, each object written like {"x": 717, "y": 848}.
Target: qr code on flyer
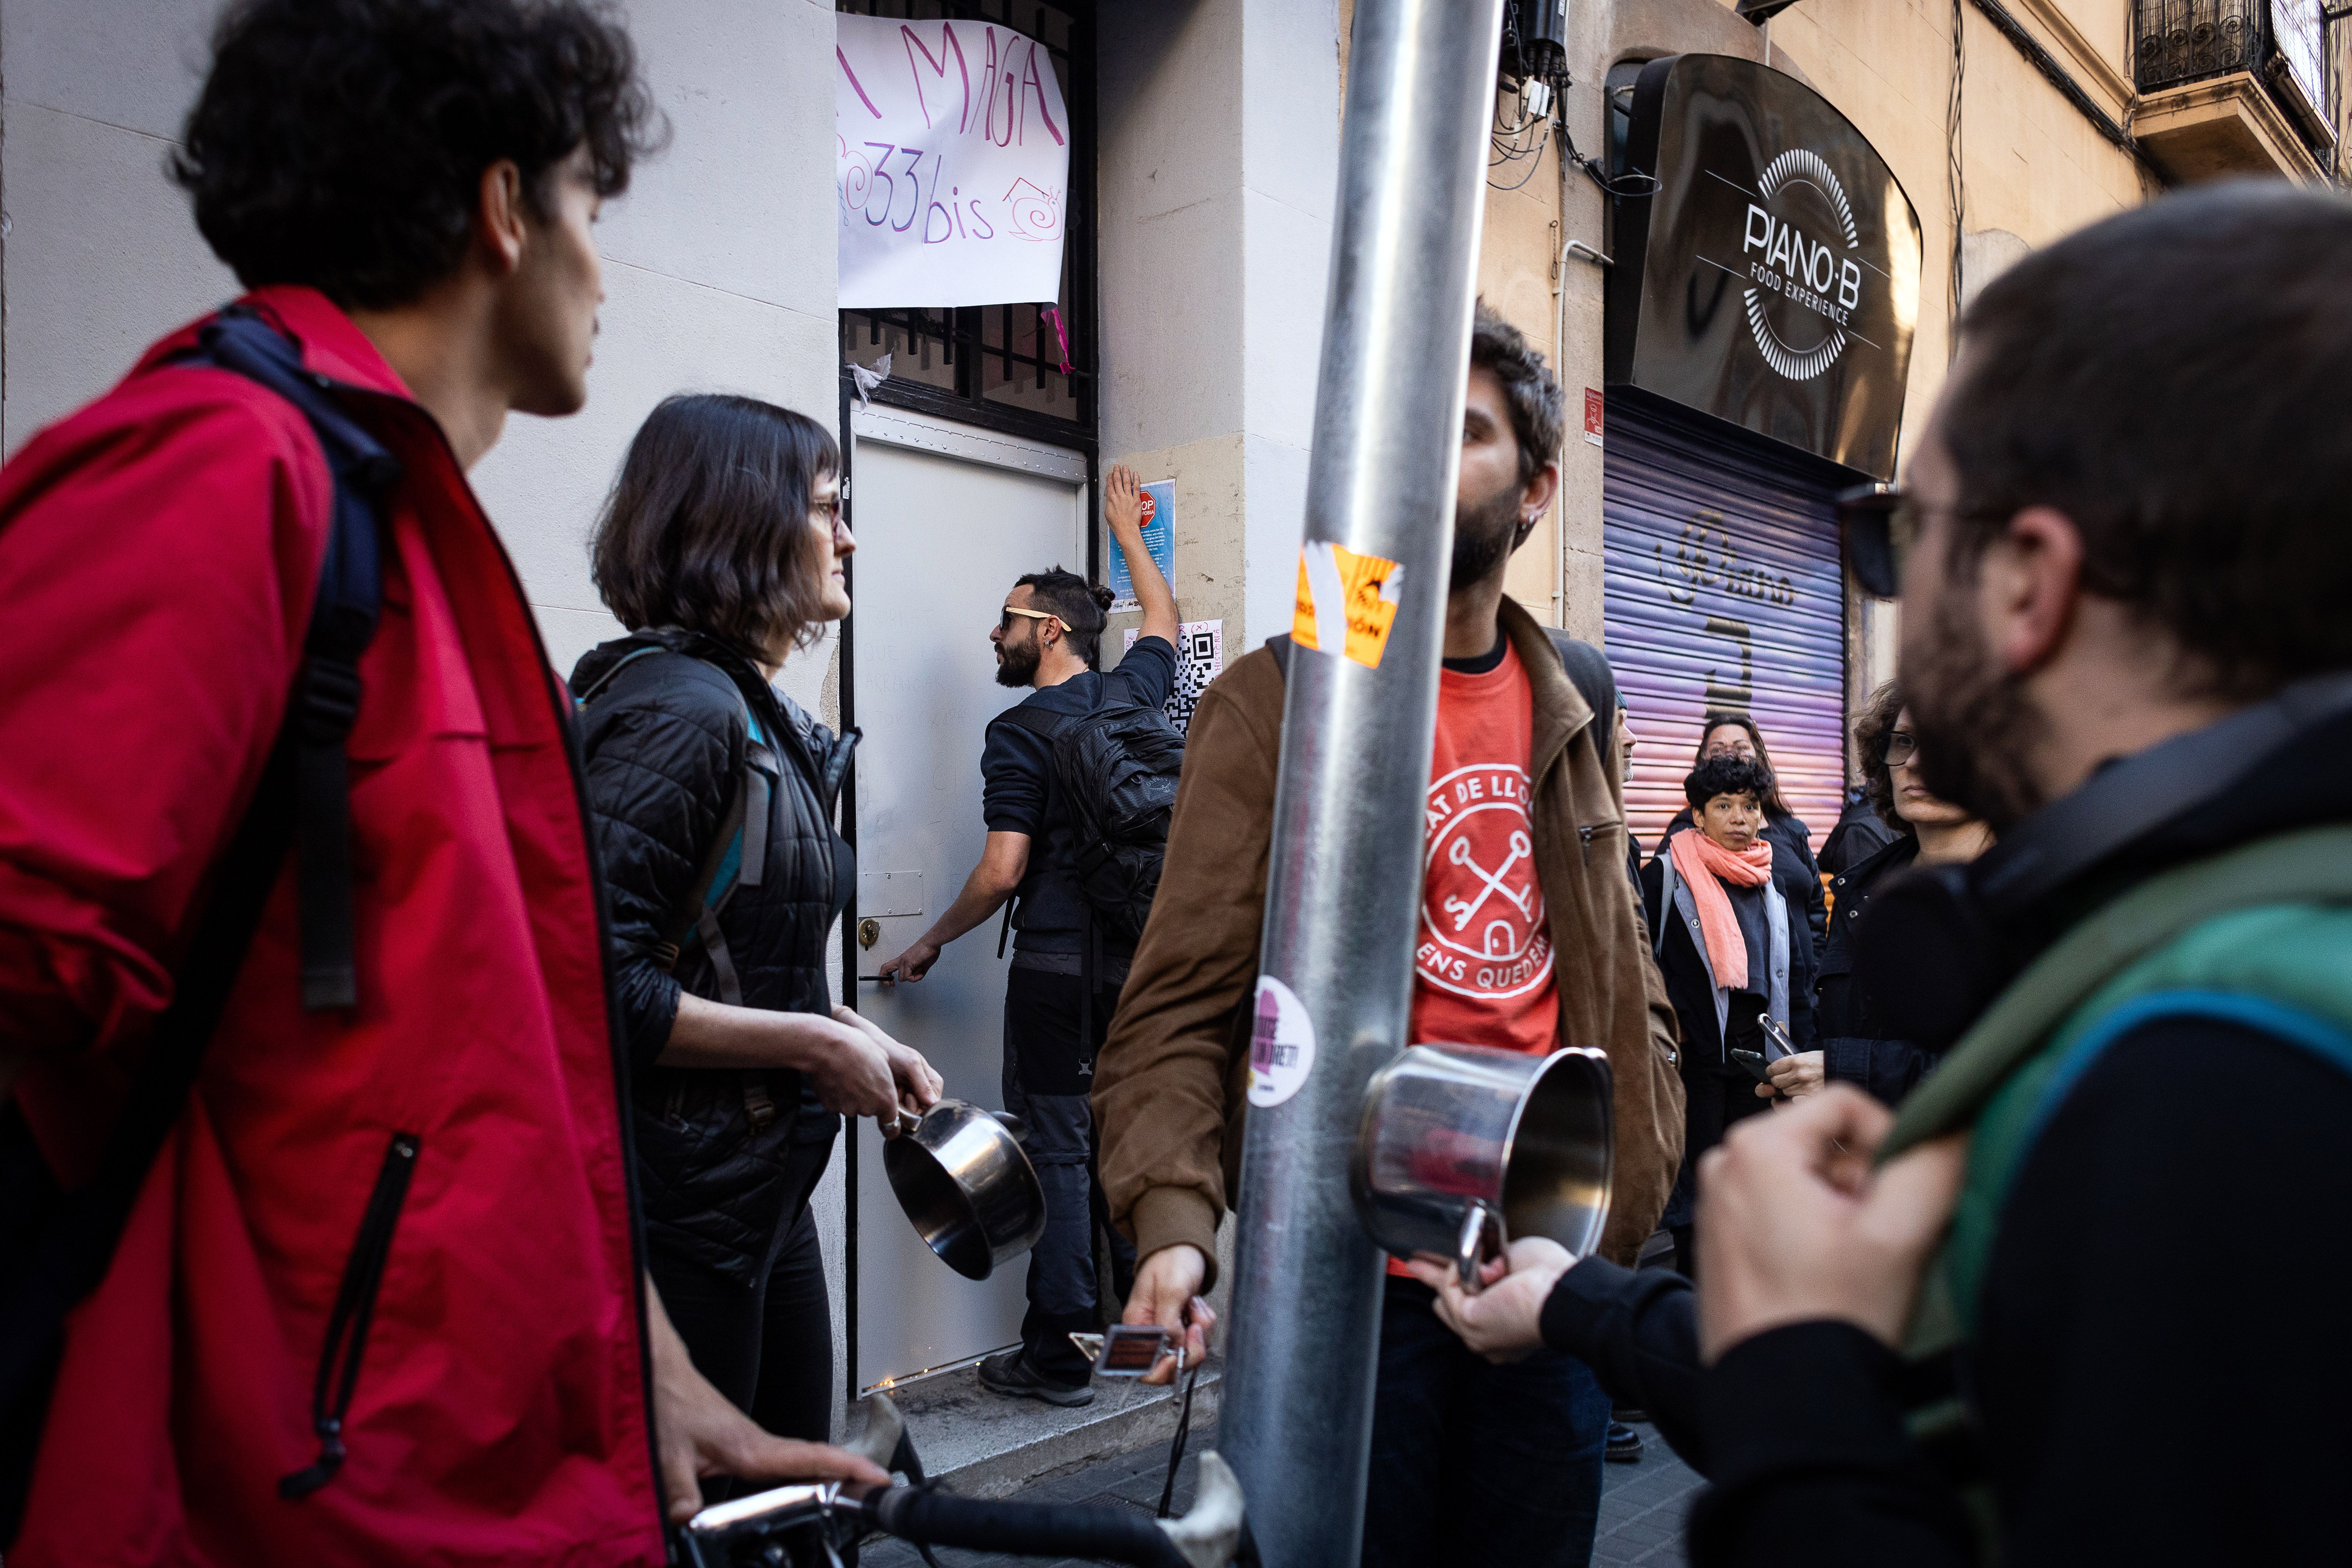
{"x": 1200, "y": 659}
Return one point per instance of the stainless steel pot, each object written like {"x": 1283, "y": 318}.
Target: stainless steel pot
{"x": 963, "y": 1180}
{"x": 1463, "y": 1147}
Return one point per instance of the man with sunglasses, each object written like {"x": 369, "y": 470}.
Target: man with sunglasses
{"x": 1058, "y": 997}
{"x": 2125, "y": 649}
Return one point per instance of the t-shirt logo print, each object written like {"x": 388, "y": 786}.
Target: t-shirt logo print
{"x": 1484, "y": 934}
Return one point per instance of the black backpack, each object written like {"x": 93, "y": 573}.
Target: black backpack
{"x": 1117, "y": 765}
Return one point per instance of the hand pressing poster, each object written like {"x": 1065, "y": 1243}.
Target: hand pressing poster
{"x": 1158, "y": 543}
{"x": 952, "y": 164}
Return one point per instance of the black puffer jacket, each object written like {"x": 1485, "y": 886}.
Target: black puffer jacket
{"x": 666, "y": 740}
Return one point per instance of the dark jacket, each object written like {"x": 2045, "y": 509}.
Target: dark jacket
{"x": 665, "y": 741}
{"x": 1854, "y": 1043}
{"x": 1860, "y": 833}
{"x": 2191, "y": 1150}
{"x": 1793, "y": 867}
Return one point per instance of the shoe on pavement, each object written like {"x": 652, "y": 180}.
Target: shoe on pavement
{"x": 1010, "y": 1373}
{"x": 1624, "y": 1444}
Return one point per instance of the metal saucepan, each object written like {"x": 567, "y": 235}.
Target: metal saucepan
{"x": 1463, "y": 1147}
{"x": 962, "y": 1178}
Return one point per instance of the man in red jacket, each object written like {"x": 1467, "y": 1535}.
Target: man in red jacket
{"x": 379, "y": 1298}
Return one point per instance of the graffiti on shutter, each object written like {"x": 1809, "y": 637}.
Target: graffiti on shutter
{"x": 1722, "y": 589}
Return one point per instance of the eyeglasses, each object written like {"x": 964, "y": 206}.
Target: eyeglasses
{"x": 1004, "y": 622}
{"x": 1880, "y": 523}
{"x": 1900, "y": 748}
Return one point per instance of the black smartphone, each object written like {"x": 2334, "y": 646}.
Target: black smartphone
{"x": 1754, "y": 1062}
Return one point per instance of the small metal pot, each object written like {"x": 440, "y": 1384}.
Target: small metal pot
{"x": 1463, "y": 1147}
{"x": 962, "y": 1178}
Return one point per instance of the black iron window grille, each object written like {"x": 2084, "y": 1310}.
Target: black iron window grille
{"x": 2187, "y": 40}
{"x": 1002, "y": 367}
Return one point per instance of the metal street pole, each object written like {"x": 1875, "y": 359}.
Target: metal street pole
{"x": 1343, "y": 887}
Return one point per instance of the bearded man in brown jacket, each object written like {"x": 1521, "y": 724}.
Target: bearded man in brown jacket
{"x": 1531, "y": 940}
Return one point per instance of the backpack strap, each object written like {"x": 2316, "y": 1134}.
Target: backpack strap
{"x": 342, "y": 623}
{"x": 1587, "y": 667}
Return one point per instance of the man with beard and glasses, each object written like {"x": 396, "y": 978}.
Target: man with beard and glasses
{"x": 1525, "y": 830}
{"x": 1066, "y": 971}
{"x": 2125, "y": 650}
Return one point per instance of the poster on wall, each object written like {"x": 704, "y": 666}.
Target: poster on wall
{"x": 1200, "y": 659}
{"x": 1159, "y": 539}
{"x": 952, "y": 164}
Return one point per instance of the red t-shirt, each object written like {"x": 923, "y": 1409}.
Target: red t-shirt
{"x": 1483, "y": 963}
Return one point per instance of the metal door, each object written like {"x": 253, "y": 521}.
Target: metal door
{"x": 1722, "y": 589}
{"x": 946, "y": 517}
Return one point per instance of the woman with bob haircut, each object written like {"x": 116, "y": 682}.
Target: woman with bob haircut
{"x": 713, "y": 795}
{"x": 1733, "y": 951}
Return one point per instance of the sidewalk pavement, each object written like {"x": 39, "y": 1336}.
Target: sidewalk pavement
{"x": 1642, "y": 1506}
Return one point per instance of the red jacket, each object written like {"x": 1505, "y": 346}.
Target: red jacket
{"x": 159, "y": 551}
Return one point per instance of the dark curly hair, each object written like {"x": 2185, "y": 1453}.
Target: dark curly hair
{"x": 707, "y": 526}
{"x": 1871, "y": 729}
{"x": 1725, "y": 776}
{"x": 1538, "y": 405}
{"x": 1083, "y": 607}
{"x": 341, "y": 144}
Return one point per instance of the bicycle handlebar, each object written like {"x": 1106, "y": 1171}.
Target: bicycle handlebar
{"x": 1031, "y": 1530}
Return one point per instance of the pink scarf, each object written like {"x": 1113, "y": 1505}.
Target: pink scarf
{"x": 1706, "y": 866}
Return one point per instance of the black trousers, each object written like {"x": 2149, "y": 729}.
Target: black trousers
{"x": 1714, "y": 1100}
{"x": 769, "y": 1349}
{"x": 1049, "y": 1084}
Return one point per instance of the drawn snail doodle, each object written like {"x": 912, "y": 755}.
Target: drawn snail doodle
{"x": 1035, "y": 214}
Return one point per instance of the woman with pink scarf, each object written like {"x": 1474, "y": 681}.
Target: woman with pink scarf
{"x": 1723, "y": 933}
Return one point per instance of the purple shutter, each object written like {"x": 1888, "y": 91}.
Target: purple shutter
{"x": 1722, "y": 588}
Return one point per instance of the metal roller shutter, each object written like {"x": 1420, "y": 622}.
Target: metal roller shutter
{"x": 1723, "y": 589}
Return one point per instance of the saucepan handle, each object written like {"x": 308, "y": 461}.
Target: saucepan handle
{"x": 1480, "y": 1225}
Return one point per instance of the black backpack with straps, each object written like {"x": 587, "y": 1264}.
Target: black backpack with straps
{"x": 55, "y": 1246}
{"x": 1117, "y": 766}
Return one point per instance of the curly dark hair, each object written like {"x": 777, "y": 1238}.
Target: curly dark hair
{"x": 1714, "y": 718}
{"x": 341, "y": 144}
{"x": 1083, "y": 607}
{"x": 1725, "y": 776}
{"x": 1871, "y": 728}
{"x": 1538, "y": 406}
{"x": 707, "y": 526}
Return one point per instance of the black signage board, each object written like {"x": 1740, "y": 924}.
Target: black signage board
{"x": 1772, "y": 280}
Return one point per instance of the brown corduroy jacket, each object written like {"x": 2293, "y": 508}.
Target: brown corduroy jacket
{"x": 1169, "y": 1085}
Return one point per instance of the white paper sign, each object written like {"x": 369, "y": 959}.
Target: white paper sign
{"x": 952, "y": 164}
{"x": 1200, "y": 659}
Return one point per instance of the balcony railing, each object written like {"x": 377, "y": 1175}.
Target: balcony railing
{"x": 2280, "y": 43}
{"x": 2187, "y": 40}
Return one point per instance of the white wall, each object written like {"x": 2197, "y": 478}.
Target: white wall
{"x": 718, "y": 262}
{"x": 1219, "y": 163}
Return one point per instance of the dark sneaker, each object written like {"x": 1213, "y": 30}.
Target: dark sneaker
{"x": 1010, "y": 1373}
{"x": 1624, "y": 1444}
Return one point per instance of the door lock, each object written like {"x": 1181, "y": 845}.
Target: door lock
{"x": 869, "y": 931}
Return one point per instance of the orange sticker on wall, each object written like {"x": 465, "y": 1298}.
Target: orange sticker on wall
{"x": 1346, "y": 602}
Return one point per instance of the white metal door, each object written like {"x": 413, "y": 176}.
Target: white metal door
{"x": 946, "y": 517}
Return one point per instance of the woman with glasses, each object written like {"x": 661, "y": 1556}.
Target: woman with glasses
{"x": 713, "y": 797}
{"x": 1928, "y": 832}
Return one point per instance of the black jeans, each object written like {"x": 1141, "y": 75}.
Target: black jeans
{"x": 1474, "y": 1462}
{"x": 768, "y": 1349}
{"x": 1048, "y": 1083}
